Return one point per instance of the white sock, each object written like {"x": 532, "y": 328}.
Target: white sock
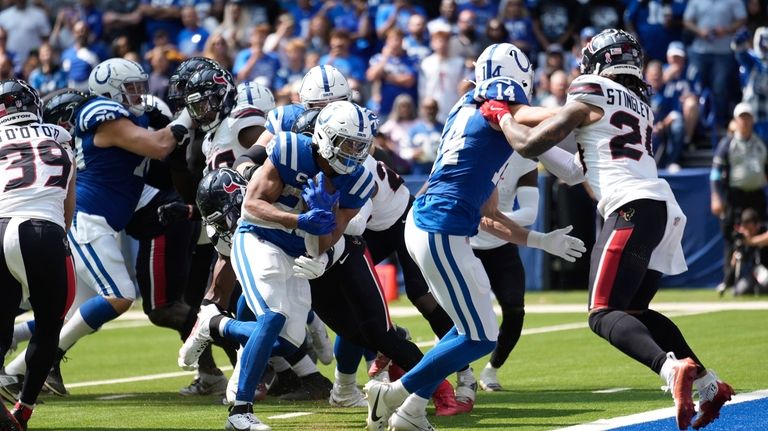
{"x": 490, "y": 370}
{"x": 222, "y": 323}
{"x": 396, "y": 394}
{"x": 18, "y": 366}
{"x": 279, "y": 364}
{"x": 304, "y": 367}
{"x": 73, "y": 330}
{"x": 21, "y": 332}
{"x": 415, "y": 405}
{"x": 466, "y": 375}
{"x": 345, "y": 379}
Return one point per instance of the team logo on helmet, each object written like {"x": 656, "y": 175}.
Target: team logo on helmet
{"x": 219, "y": 79}
{"x": 231, "y": 188}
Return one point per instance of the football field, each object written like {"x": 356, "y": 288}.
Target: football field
{"x": 560, "y": 375}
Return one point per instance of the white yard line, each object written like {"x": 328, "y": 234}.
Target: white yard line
{"x": 137, "y": 378}
{"x": 290, "y": 415}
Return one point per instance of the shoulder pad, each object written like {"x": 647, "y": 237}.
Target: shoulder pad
{"x": 359, "y": 187}
{"x": 282, "y": 118}
{"x": 501, "y": 88}
{"x": 283, "y": 149}
{"x": 588, "y": 89}
{"x": 246, "y": 116}
{"x": 97, "y": 111}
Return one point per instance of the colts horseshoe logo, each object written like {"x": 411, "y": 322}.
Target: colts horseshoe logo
{"x": 99, "y": 69}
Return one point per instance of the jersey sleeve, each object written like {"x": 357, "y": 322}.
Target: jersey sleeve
{"x": 357, "y": 188}
{"x": 587, "y": 89}
{"x": 273, "y": 120}
{"x": 501, "y": 88}
{"x": 283, "y": 151}
{"x": 98, "y": 111}
{"x": 245, "y": 116}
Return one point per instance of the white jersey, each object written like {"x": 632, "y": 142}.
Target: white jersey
{"x": 391, "y": 199}
{"x": 221, "y": 147}
{"x": 516, "y": 167}
{"x": 616, "y": 150}
{"x": 35, "y": 170}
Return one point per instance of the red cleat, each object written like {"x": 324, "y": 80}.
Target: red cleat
{"x": 8, "y": 421}
{"x": 713, "y": 394}
{"x": 379, "y": 365}
{"x": 680, "y": 375}
{"x": 445, "y": 400}
{"x": 395, "y": 372}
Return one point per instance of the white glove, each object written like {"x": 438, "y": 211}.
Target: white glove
{"x": 182, "y": 128}
{"x": 308, "y": 267}
{"x": 558, "y": 243}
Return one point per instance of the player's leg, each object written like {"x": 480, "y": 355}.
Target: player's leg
{"x": 507, "y": 276}
{"x": 9, "y": 286}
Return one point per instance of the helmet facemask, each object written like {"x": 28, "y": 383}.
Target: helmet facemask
{"x": 206, "y": 109}
{"x": 131, "y": 93}
{"x": 346, "y": 153}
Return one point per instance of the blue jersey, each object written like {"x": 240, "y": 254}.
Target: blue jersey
{"x": 294, "y": 158}
{"x": 281, "y": 119}
{"x": 109, "y": 180}
{"x": 471, "y": 158}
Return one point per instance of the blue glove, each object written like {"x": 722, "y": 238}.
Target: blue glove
{"x": 315, "y": 196}
{"x": 741, "y": 36}
{"x": 317, "y": 221}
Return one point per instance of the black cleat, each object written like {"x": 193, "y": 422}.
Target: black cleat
{"x": 287, "y": 381}
{"x": 314, "y": 387}
{"x": 54, "y": 382}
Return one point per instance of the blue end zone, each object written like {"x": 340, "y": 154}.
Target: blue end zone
{"x": 746, "y": 416}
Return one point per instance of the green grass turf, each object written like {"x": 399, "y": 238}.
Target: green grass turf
{"x": 549, "y": 378}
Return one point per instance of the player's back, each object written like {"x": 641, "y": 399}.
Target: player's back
{"x": 616, "y": 150}
{"x": 35, "y": 170}
{"x": 109, "y": 180}
{"x": 222, "y": 146}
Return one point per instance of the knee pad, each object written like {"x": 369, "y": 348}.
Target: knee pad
{"x": 595, "y": 321}
{"x": 173, "y": 316}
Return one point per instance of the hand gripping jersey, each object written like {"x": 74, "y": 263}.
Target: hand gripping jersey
{"x": 109, "y": 180}
{"x": 281, "y": 119}
{"x": 616, "y": 150}
{"x": 293, "y": 156}
{"x": 221, "y": 147}
{"x": 471, "y": 159}
{"x": 391, "y": 198}
{"x": 35, "y": 170}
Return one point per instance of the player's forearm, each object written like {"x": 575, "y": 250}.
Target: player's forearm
{"x": 222, "y": 283}
{"x": 531, "y": 142}
{"x": 503, "y": 227}
{"x": 261, "y": 210}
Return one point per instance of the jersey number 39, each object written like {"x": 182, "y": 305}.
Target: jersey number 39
{"x": 22, "y": 158}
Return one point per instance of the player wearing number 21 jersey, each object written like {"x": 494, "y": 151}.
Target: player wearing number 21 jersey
{"x": 608, "y": 110}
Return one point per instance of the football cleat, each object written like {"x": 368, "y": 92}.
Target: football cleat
{"x": 314, "y": 386}
{"x": 22, "y": 414}
{"x": 445, "y": 400}
{"x": 54, "y": 382}
{"x": 321, "y": 343}
{"x": 679, "y": 375}
{"x": 466, "y": 390}
{"x": 206, "y": 384}
{"x": 380, "y": 364}
{"x": 241, "y": 418}
{"x": 287, "y": 381}
{"x": 198, "y": 339}
{"x": 489, "y": 381}
{"x": 10, "y": 386}
{"x": 401, "y": 420}
{"x": 713, "y": 393}
{"x": 346, "y": 396}
{"x": 8, "y": 421}
{"x": 378, "y": 409}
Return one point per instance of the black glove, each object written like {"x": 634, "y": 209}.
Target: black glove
{"x": 157, "y": 120}
{"x": 173, "y": 212}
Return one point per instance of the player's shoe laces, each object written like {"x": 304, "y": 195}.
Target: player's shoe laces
{"x": 378, "y": 409}
{"x": 10, "y": 386}
{"x": 346, "y": 396}
{"x": 314, "y": 386}
{"x": 54, "y": 382}
{"x": 206, "y": 384}
{"x": 489, "y": 381}
{"x": 198, "y": 339}
{"x": 241, "y": 418}
{"x": 321, "y": 343}
{"x": 401, "y": 420}
{"x": 713, "y": 393}
{"x": 679, "y": 375}
{"x": 8, "y": 421}
{"x": 466, "y": 390}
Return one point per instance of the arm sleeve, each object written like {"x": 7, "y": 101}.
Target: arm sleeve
{"x": 528, "y": 201}
{"x": 256, "y": 154}
{"x": 563, "y": 165}
{"x": 356, "y": 226}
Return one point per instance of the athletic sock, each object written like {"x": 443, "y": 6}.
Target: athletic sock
{"x": 23, "y": 331}
{"x": 304, "y": 367}
{"x": 344, "y": 379}
{"x": 415, "y": 405}
{"x": 91, "y": 315}
{"x": 279, "y": 364}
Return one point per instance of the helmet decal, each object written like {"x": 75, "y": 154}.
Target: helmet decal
{"x": 326, "y": 86}
{"x": 106, "y": 78}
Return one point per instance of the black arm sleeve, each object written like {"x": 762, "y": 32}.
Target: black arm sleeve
{"x": 256, "y": 154}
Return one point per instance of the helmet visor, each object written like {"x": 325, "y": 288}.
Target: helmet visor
{"x": 203, "y": 108}
{"x": 351, "y": 152}
{"x": 133, "y": 92}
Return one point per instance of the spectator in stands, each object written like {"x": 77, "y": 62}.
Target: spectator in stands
{"x": 440, "y": 73}
{"x": 6, "y": 67}
{"x": 123, "y": 19}
{"x": 656, "y": 23}
{"x": 554, "y": 22}
{"x": 574, "y": 61}
{"x": 713, "y": 24}
{"x": 192, "y": 38}
{"x": 162, "y": 15}
{"x": 293, "y": 69}
{"x": 675, "y": 76}
{"x": 602, "y": 14}
{"x": 48, "y": 76}
{"x": 121, "y": 46}
{"x": 351, "y": 66}
{"x": 738, "y": 177}
{"x": 757, "y": 16}
{"x": 88, "y": 12}
{"x": 423, "y": 138}
{"x": 754, "y": 70}
{"x": 416, "y": 42}
{"x": 553, "y": 60}
{"x": 62, "y": 36}
{"x": 668, "y": 127}
{"x": 319, "y": 37}
{"x": 484, "y": 10}
{"x": 447, "y": 16}
{"x": 285, "y": 28}
{"x": 26, "y": 26}
{"x": 396, "y": 128}
{"x": 78, "y": 60}
{"x": 342, "y": 14}
{"x": 253, "y": 63}
{"x": 466, "y": 43}
{"x": 495, "y": 32}
{"x": 395, "y": 15}
{"x": 303, "y": 11}
{"x": 750, "y": 256}
{"x": 558, "y": 90}
{"x": 217, "y": 48}
{"x": 160, "y": 75}
{"x": 4, "y": 45}
{"x": 392, "y": 73}
{"x": 235, "y": 26}
{"x": 519, "y": 25}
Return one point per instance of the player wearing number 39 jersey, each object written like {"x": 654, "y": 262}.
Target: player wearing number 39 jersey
{"x": 36, "y": 206}
{"x": 608, "y": 110}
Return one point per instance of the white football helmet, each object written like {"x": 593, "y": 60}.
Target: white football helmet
{"x": 256, "y": 95}
{"x": 121, "y": 80}
{"x": 343, "y": 134}
{"x": 323, "y": 85}
{"x": 505, "y": 59}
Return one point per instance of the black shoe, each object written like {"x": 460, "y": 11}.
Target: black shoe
{"x": 287, "y": 381}
{"x": 10, "y": 386}
{"x": 314, "y": 387}
{"x": 54, "y": 382}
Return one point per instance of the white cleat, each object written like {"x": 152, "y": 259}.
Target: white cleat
{"x": 347, "y": 396}
{"x": 489, "y": 381}
{"x": 378, "y": 409}
{"x": 403, "y": 421}
{"x": 245, "y": 422}
{"x": 198, "y": 339}
{"x": 321, "y": 343}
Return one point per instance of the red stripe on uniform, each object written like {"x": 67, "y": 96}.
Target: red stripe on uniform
{"x": 71, "y": 286}
{"x": 158, "y": 271}
{"x": 609, "y": 267}
{"x": 372, "y": 268}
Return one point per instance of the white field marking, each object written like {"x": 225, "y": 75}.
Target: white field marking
{"x": 611, "y": 391}
{"x": 290, "y": 415}
{"x": 138, "y": 378}
{"x": 115, "y": 397}
{"x": 653, "y": 415}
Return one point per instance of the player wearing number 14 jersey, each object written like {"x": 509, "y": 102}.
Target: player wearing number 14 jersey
{"x": 608, "y": 110}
